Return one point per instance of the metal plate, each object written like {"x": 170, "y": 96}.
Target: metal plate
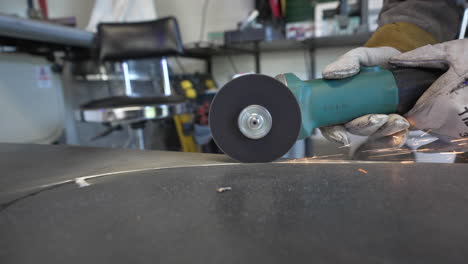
{"x": 255, "y": 89}
{"x": 323, "y": 212}
{"x": 31, "y": 168}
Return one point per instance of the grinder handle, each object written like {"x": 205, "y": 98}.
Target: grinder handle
{"x": 412, "y": 83}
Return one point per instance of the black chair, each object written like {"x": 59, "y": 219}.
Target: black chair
{"x": 121, "y": 46}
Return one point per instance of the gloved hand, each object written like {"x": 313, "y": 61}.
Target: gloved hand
{"x": 390, "y": 130}
{"x": 442, "y": 109}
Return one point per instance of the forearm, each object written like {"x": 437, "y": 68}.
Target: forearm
{"x": 406, "y": 25}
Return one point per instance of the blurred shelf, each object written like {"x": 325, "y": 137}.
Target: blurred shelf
{"x": 43, "y": 37}
{"x": 207, "y": 49}
{"x": 340, "y": 41}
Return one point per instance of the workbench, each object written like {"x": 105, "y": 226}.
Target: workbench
{"x": 62, "y": 204}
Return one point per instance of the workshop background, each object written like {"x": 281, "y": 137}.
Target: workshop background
{"x": 44, "y": 95}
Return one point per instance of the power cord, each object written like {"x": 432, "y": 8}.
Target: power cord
{"x": 233, "y": 65}
{"x": 203, "y": 22}
{"x": 180, "y": 65}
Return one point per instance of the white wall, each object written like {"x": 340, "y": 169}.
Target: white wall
{"x": 81, "y": 9}
{"x": 220, "y": 15}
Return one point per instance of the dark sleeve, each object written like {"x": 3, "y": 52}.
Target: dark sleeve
{"x": 441, "y": 18}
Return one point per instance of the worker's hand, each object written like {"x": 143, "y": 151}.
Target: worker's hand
{"x": 383, "y": 130}
{"x": 350, "y": 63}
{"x": 442, "y": 109}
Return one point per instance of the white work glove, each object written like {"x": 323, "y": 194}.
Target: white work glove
{"x": 390, "y": 130}
{"x": 442, "y": 109}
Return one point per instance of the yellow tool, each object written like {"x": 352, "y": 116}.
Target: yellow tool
{"x": 186, "y": 141}
{"x": 190, "y": 92}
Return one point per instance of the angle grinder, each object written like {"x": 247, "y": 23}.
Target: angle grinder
{"x": 257, "y": 118}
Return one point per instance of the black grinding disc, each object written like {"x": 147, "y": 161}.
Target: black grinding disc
{"x": 255, "y": 89}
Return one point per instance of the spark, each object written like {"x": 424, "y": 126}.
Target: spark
{"x": 407, "y": 162}
{"x": 394, "y": 154}
{"x": 363, "y": 171}
{"x": 309, "y": 159}
{"x": 423, "y": 150}
{"x": 451, "y": 152}
{"x": 299, "y": 160}
{"x": 345, "y": 146}
{"x": 458, "y": 140}
{"x": 326, "y": 156}
{"x": 381, "y": 150}
{"x": 425, "y": 133}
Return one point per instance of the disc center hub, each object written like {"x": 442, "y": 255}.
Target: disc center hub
{"x": 254, "y": 121}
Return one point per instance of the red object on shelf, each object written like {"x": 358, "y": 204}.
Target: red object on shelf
{"x": 275, "y": 8}
{"x": 43, "y": 8}
{"x": 202, "y": 113}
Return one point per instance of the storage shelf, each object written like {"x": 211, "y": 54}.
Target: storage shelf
{"x": 279, "y": 45}
{"x": 42, "y": 38}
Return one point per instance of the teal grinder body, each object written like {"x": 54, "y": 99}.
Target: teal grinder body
{"x": 257, "y": 118}
{"x": 373, "y": 91}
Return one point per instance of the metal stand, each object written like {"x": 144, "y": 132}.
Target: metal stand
{"x": 166, "y": 80}
{"x": 138, "y": 130}
{"x": 140, "y": 133}
{"x": 128, "y": 83}
{"x": 364, "y": 10}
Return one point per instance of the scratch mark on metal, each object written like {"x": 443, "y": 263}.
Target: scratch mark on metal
{"x": 363, "y": 171}
{"x": 223, "y": 189}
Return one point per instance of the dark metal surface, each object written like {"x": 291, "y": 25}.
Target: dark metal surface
{"x": 27, "y": 168}
{"x": 274, "y": 213}
{"x": 255, "y": 89}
